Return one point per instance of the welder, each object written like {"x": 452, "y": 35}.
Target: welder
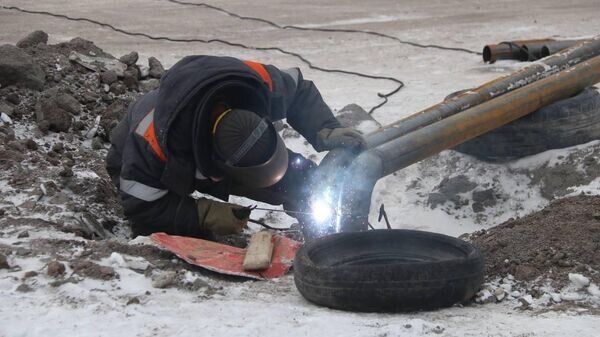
{"x": 207, "y": 133}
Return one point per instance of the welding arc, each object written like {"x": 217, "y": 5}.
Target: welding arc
{"x": 327, "y": 30}
{"x": 385, "y": 96}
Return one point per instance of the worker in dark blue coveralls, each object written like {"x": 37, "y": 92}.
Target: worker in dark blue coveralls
{"x": 208, "y": 128}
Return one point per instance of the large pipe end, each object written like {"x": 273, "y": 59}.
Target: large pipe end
{"x": 487, "y": 55}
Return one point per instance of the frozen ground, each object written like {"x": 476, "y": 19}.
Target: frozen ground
{"x": 275, "y": 308}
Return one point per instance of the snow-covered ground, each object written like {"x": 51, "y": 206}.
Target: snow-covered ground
{"x": 275, "y": 308}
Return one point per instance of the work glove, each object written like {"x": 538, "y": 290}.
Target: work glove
{"x": 222, "y": 218}
{"x": 329, "y": 139}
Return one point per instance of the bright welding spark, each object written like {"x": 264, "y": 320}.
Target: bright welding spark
{"x": 322, "y": 211}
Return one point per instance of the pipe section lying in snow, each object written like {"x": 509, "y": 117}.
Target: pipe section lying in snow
{"x": 556, "y": 46}
{"x": 373, "y": 164}
{"x": 510, "y": 50}
{"x": 531, "y": 73}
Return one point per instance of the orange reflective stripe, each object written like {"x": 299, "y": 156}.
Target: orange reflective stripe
{"x": 150, "y": 137}
{"x": 262, "y": 72}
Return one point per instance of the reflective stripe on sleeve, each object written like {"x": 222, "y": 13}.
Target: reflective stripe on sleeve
{"x": 146, "y": 129}
{"x": 141, "y": 191}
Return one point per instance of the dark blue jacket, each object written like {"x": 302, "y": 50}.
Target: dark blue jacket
{"x": 161, "y": 152}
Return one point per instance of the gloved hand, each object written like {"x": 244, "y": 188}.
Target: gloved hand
{"x": 329, "y": 139}
{"x": 222, "y": 218}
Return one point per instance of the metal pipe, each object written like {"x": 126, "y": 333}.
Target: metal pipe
{"x": 373, "y": 164}
{"x": 535, "y": 50}
{"x": 556, "y": 46}
{"x": 531, "y": 73}
{"x": 501, "y": 51}
{"x": 509, "y": 50}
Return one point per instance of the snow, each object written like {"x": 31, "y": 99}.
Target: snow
{"x": 275, "y": 308}
{"x": 578, "y": 281}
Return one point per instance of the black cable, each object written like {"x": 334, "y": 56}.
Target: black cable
{"x": 233, "y": 44}
{"x": 329, "y": 30}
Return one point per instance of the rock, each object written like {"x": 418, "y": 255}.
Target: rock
{"x": 133, "y": 300}
{"x": 485, "y": 296}
{"x": 108, "y": 77}
{"x": 57, "y": 118}
{"x": 118, "y": 88}
{"x": 524, "y": 272}
{"x": 16, "y": 145}
{"x": 594, "y": 290}
{"x": 90, "y": 269}
{"x": 579, "y": 281}
{"x": 455, "y": 185}
{"x": 33, "y": 39}
{"x": 436, "y": 199}
{"x": 18, "y": 68}
{"x": 97, "y": 143}
{"x": 499, "y": 294}
{"x": 85, "y": 47}
{"x": 596, "y": 215}
{"x": 13, "y": 98}
{"x": 55, "y": 269}
{"x": 23, "y": 234}
{"x": 129, "y": 59}
{"x": 483, "y": 199}
{"x": 149, "y": 85}
{"x": 164, "y": 280}
{"x": 112, "y": 115}
{"x": 144, "y": 71}
{"x": 24, "y": 288}
{"x": 66, "y": 172}
{"x": 354, "y": 116}
{"x": 6, "y": 109}
{"x": 130, "y": 78}
{"x": 156, "y": 68}
{"x": 30, "y": 274}
{"x": 78, "y": 125}
{"x": 4, "y": 262}
{"x": 68, "y": 103}
{"x": 99, "y": 63}
{"x": 31, "y": 144}
{"x": 526, "y": 302}
{"x": 58, "y": 147}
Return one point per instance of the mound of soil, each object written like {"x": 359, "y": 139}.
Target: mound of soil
{"x": 563, "y": 238}
{"x": 58, "y": 105}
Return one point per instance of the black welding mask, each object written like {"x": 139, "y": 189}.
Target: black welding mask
{"x": 248, "y": 149}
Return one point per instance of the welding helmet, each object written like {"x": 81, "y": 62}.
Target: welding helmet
{"x": 248, "y": 149}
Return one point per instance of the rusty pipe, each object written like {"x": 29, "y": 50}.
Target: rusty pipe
{"x": 509, "y": 50}
{"x": 556, "y": 46}
{"x": 366, "y": 169}
{"x": 531, "y": 73}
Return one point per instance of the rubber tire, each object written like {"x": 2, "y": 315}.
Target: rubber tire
{"x": 388, "y": 271}
{"x": 568, "y": 122}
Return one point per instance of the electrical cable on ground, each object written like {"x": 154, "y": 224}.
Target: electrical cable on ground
{"x": 385, "y": 96}
{"x": 330, "y": 30}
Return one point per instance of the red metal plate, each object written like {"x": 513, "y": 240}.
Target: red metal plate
{"x": 226, "y": 259}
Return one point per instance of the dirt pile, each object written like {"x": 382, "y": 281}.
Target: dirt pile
{"x": 547, "y": 245}
{"x": 58, "y": 104}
